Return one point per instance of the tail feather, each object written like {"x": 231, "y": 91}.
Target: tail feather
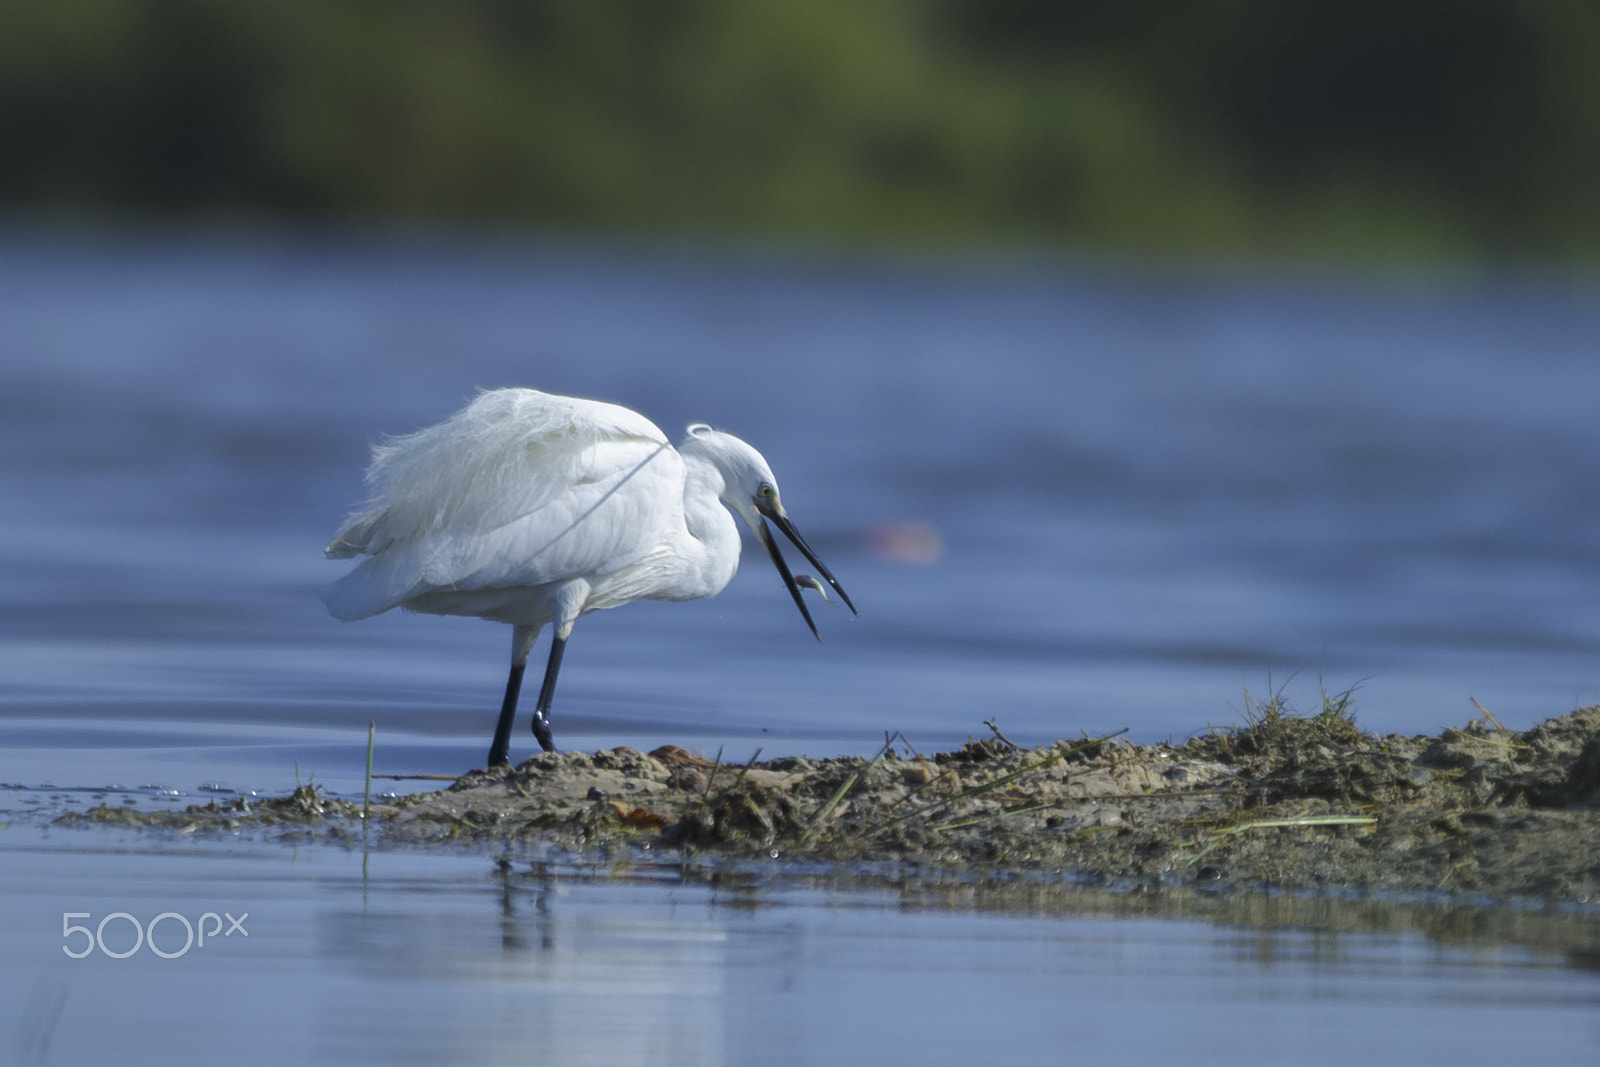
{"x": 373, "y": 588}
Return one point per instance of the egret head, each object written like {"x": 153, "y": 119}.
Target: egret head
{"x": 750, "y": 489}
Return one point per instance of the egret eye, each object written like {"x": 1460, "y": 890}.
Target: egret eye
{"x": 767, "y": 492}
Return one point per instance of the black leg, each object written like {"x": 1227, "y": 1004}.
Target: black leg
{"x": 541, "y": 711}
{"x": 501, "y": 747}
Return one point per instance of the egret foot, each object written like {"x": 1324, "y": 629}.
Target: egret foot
{"x": 541, "y": 730}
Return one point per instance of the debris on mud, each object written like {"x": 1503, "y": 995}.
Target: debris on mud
{"x": 1283, "y": 801}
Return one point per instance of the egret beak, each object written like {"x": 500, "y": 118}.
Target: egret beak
{"x": 781, "y": 520}
{"x": 788, "y": 579}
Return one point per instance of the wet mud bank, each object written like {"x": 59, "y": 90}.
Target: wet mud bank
{"x": 1286, "y": 802}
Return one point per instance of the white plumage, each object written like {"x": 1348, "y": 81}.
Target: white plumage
{"x": 515, "y": 492}
{"x": 530, "y": 509}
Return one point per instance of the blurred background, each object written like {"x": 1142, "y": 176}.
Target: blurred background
{"x": 1454, "y": 128}
{"x": 1118, "y": 357}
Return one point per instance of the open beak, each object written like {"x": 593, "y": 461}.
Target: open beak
{"x": 782, "y": 522}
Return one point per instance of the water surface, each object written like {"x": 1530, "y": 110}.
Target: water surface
{"x": 1064, "y": 496}
{"x": 418, "y": 958}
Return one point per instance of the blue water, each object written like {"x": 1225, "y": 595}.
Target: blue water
{"x": 1064, "y": 495}
{"x": 407, "y": 958}
{"x": 1145, "y": 491}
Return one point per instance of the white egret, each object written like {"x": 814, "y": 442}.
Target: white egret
{"x": 533, "y": 509}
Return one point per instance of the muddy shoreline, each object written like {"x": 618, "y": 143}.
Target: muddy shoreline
{"x": 1283, "y": 802}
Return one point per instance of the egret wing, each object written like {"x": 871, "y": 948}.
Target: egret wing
{"x": 618, "y": 508}
{"x": 519, "y": 488}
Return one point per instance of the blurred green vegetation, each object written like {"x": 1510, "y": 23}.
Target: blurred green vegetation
{"x": 1409, "y": 128}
